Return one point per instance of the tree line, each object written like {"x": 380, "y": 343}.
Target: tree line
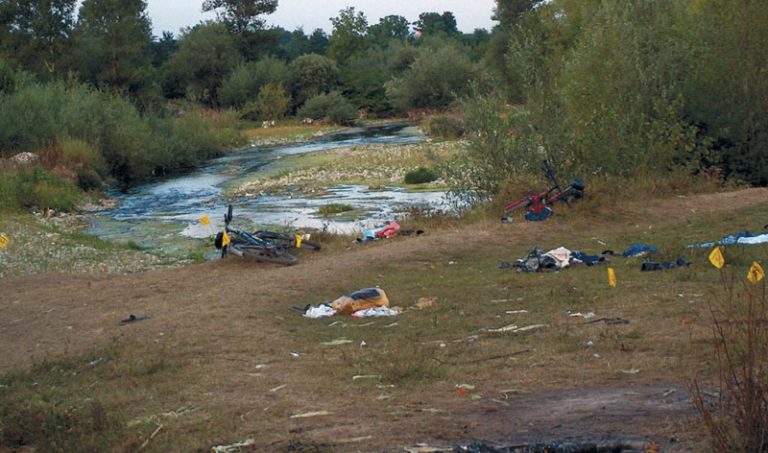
{"x": 622, "y": 88}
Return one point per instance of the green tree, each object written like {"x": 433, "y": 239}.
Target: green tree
{"x": 389, "y": 28}
{"x": 435, "y": 79}
{"x": 113, "y": 40}
{"x": 726, "y": 88}
{"x": 318, "y": 42}
{"x": 311, "y": 75}
{"x": 349, "y": 35}
{"x": 363, "y": 79}
{"x": 273, "y": 102}
{"x": 207, "y": 54}
{"x": 248, "y": 79}
{"x": 331, "y": 106}
{"x": 435, "y": 24}
{"x": 241, "y": 16}
{"x": 36, "y": 34}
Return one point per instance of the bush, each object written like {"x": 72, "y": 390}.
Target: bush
{"x": 35, "y": 187}
{"x": 445, "y": 126}
{"x": 247, "y": 80}
{"x": 272, "y": 102}
{"x": 332, "y": 106}
{"x": 434, "y": 80}
{"x": 421, "y": 175}
{"x": 88, "y": 123}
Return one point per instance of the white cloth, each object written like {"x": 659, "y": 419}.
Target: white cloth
{"x": 561, "y": 255}
{"x": 375, "y": 312}
{"x": 321, "y": 311}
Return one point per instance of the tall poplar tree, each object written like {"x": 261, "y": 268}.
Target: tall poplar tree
{"x": 114, "y": 44}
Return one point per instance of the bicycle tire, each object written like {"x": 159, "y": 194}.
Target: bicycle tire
{"x": 285, "y": 240}
{"x": 267, "y": 255}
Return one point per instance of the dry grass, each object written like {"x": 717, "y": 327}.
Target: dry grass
{"x": 221, "y": 336}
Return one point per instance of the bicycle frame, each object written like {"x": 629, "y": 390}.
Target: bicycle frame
{"x": 538, "y": 203}
{"x": 243, "y": 243}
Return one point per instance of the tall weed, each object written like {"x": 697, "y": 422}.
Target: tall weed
{"x": 736, "y": 417}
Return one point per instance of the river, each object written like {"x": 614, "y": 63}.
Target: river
{"x": 165, "y": 215}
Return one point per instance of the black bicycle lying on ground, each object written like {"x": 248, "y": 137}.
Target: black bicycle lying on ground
{"x": 261, "y": 245}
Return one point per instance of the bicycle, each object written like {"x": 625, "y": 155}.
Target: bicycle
{"x": 287, "y": 240}
{"x": 249, "y": 245}
{"x": 538, "y": 204}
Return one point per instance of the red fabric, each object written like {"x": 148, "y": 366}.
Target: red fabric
{"x": 388, "y": 231}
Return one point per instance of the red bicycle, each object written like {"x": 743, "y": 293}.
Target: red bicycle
{"x": 538, "y": 204}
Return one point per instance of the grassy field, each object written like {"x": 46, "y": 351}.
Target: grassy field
{"x": 215, "y": 366}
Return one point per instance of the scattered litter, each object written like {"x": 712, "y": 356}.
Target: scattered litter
{"x": 590, "y": 343}
{"x": 669, "y": 392}
{"x": 279, "y": 387}
{"x": 132, "y": 318}
{"x": 363, "y": 344}
{"x": 334, "y": 323}
{"x": 390, "y": 325}
{"x": 337, "y": 342}
{"x": 365, "y": 376}
{"x": 609, "y": 321}
{"x": 424, "y": 448}
{"x": 652, "y": 266}
{"x": 586, "y": 315}
{"x": 596, "y": 355}
{"x": 509, "y": 328}
{"x": 507, "y": 392}
{"x": 233, "y": 448}
{"x": 312, "y": 414}
{"x": 96, "y": 361}
{"x": 383, "y": 232}
{"x": 629, "y": 371}
{"x": 503, "y": 403}
{"x": 294, "y": 353}
{"x": 515, "y": 312}
{"x": 465, "y": 386}
{"x": 530, "y": 328}
{"x": 383, "y": 397}
{"x": 155, "y": 417}
{"x": 742, "y": 237}
{"x": 354, "y": 439}
{"x": 321, "y": 311}
{"x": 424, "y": 302}
{"x": 151, "y": 436}
{"x": 638, "y": 250}
{"x": 375, "y": 312}
{"x": 360, "y": 300}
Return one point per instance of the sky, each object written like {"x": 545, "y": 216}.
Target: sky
{"x": 173, "y": 15}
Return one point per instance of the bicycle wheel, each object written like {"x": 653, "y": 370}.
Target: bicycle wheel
{"x": 269, "y": 255}
{"x": 285, "y": 240}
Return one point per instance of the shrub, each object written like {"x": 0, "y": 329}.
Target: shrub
{"x": 445, "y": 126}
{"x": 248, "y": 79}
{"x": 272, "y": 102}
{"x": 420, "y": 176}
{"x": 434, "y": 80}
{"x": 334, "y": 208}
{"x": 32, "y": 187}
{"x": 332, "y": 106}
